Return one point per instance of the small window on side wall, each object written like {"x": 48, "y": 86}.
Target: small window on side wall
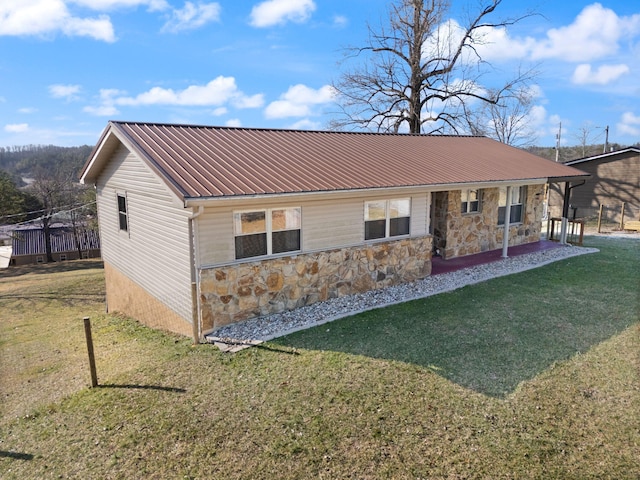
{"x": 123, "y": 218}
{"x": 471, "y": 199}
{"x": 387, "y": 218}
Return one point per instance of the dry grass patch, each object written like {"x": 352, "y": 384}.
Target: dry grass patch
{"x": 43, "y": 352}
{"x": 171, "y": 410}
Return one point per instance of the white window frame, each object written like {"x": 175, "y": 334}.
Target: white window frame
{"x": 464, "y": 199}
{"x": 388, "y": 218}
{"x": 521, "y": 192}
{"x": 124, "y": 213}
{"x": 268, "y": 212}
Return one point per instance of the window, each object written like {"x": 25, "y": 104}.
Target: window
{"x": 386, "y": 218}
{"x": 267, "y": 232}
{"x": 122, "y": 213}
{"x": 517, "y": 202}
{"x": 471, "y": 201}
{"x": 63, "y": 257}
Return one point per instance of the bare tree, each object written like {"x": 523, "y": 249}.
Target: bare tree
{"x": 508, "y": 120}
{"x": 419, "y": 72}
{"x": 60, "y": 198}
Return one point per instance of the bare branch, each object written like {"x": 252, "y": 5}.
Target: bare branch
{"x": 417, "y": 74}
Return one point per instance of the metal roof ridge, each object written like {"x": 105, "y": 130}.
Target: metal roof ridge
{"x": 292, "y": 130}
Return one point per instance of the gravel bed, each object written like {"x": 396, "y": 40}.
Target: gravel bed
{"x": 268, "y": 327}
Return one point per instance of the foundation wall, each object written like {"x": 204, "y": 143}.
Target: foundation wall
{"x": 237, "y": 292}
{"x": 127, "y": 297}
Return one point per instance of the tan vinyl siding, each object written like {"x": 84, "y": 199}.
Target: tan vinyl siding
{"x": 327, "y": 223}
{"x": 154, "y": 252}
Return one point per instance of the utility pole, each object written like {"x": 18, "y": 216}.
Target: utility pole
{"x": 558, "y": 142}
{"x": 606, "y": 139}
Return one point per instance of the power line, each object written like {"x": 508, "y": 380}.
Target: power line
{"x": 65, "y": 208}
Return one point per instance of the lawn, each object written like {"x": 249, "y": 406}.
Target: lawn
{"x": 534, "y": 375}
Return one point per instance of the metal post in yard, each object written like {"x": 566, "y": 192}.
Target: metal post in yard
{"x": 600, "y": 218}
{"x": 92, "y": 358}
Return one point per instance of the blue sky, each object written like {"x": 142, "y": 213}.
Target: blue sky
{"x": 69, "y": 66}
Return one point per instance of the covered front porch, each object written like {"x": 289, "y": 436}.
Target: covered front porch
{"x": 440, "y": 265}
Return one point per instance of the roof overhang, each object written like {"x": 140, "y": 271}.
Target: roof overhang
{"x": 379, "y": 191}
{"x": 572, "y": 178}
{"x": 112, "y": 137}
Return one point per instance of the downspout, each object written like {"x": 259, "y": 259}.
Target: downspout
{"x": 565, "y": 209}
{"x": 193, "y": 254}
{"x": 507, "y": 221}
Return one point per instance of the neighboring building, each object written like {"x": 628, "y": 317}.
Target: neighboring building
{"x": 28, "y": 245}
{"x": 205, "y": 226}
{"x": 614, "y": 180}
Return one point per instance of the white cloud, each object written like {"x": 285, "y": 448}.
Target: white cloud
{"x": 47, "y": 17}
{"x": 595, "y": 33}
{"x": 107, "y": 107}
{"x": 605, "y": 74}
{"x": 16, "y": 127}
{"x": 217, "y": 92}
{"x": 254, "y": 101}
{"x": 234, "y": 122}
{"x": 192, "y": 16}
{"x": 220, "y": 111}
{"x": 27, "y": 110}
{"x": 64, "y": 91}
{"x": 298, "y": 100}
{"x": 305, "y": 124}
{"x": 629, "y": 124}
{"x": 102, "y": 110}
{"x": 102, "y": 5}
{"x": 340, "y": 21}
{"x": 278, "y": 12}
{"x": 495, "y": 44}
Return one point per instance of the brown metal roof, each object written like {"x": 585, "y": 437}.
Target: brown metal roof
{"x": 201, "y": 161}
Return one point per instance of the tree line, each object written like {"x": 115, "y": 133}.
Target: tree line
{"x": 39, "y": 186}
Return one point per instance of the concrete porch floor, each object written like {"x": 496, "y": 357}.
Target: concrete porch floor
{"x": 439, "y": 265}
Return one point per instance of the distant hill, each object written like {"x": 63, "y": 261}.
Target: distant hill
{"x": 25, "y": 161}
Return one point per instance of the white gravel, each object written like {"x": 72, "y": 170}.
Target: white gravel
{"x": 265, "y": 328}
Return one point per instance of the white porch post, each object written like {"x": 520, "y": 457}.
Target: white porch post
{"x": 507, "y": 220}
{"x": 565, "y": 213}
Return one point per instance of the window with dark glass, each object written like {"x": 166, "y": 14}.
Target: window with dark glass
{"x": 386, "y": 218}
{"x": 267, "y": 232}
{"x": 470, "y": 201}
{"x": 123, "y": 219}
{"x": 517, "y": 203}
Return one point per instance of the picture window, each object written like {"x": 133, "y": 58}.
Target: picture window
{"x": 267, "y": 232}
{"x": 387, "y": 218}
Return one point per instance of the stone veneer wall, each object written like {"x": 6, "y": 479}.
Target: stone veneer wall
{"x": 479, "y": 232}
{"x": 237, "y": 292}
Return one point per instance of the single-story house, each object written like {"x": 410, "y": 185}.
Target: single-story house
{"x": 614, "y": 180}
{"x": 204, "y": 226}
{"x": 28, "y": 244}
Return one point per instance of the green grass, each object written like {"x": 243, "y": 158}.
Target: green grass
{"x": 333, "y": 405}
{"x": 491, "y": 336}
